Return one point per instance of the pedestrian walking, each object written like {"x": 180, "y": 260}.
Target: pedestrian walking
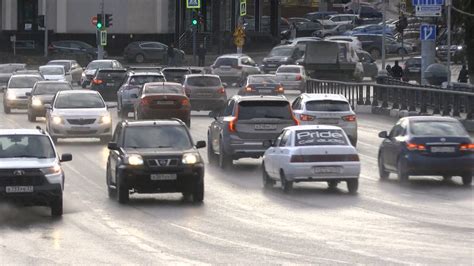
{"x": 389, "y": 70}
{"x": 397, "y": 71}
{"x": 171, "y": 55}
{"x": 463, "y": 75}
{"x": 202, "y": 55}
{"x": 292, "y": 31}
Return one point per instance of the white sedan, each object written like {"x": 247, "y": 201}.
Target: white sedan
{"x": 311, "y": 153}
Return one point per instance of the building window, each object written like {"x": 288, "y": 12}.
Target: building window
{"x": 27, "y": 15}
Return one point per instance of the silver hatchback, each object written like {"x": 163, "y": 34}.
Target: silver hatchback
{"x": 234, "y": 68}
{"x": 205, "y": 92}
{"x": 326, "y": 109}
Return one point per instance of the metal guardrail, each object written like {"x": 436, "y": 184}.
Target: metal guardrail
{"x": 422, "y": 100}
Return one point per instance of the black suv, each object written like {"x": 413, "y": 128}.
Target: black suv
{"x": 107, "y": 82}
{"x": 246, "y": 122}
{"x": 154, "y": 157}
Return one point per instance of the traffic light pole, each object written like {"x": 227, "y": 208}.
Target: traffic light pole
{"x": 45, "y": 29}
{"x": 448, "y": 3}
{"x": 100, "y": 48}
{"x": 194, "y": 43}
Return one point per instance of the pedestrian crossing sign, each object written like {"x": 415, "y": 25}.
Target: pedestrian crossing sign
{"x": 193, "y": 3}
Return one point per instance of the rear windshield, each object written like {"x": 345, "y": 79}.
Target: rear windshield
{"x": 51, "y": 70}
{"x": 226, "y": 62}
{"x": 23, "y": 82}
{"x": 328, "y": 106}
{"x": 76, "y": 100}
{"x": 320, "y": 137}
{"x": 111, "y": 75}
{"x": 262, "y": 79}
{"x": 140, "y": 80}
{"x": 96, "y": 65}
{"x": 437, "y": 128}
{"x": 50, "y": 88}
{"x": 157, "y": 137}
{"x": 288, "y": 70}
{"x": 281, "y": 51}
{"x": 172, "y": 89}
{"x": 264, "y": 109}
{"x": 204, "y": 81}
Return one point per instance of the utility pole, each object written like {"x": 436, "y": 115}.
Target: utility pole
{"x": 449, "y": 4}
{"x": 45, "y": 28}
{"x": 384, "y": 3}
{"x": 100, "y": 48}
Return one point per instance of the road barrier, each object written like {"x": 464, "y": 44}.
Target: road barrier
{"x": 414, "y": 99}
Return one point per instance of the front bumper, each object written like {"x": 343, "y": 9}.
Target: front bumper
{"x": 418, "y": 164}
{"x": 304, "y": 171}
{"x": 240, "y": 148}
{"x": 17, "y": 103}
{"x": 77, "y": 131}
{"x": 139, "y": 178}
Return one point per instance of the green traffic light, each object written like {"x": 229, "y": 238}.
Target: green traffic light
{"x": 99, "y": 25}
{"x": 195, "y": 22}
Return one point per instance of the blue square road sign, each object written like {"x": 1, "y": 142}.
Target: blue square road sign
{"x": 427, "y": 32}
{"x": 427, "y": 2}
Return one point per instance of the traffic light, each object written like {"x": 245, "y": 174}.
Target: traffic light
{"x": 99, "y": 24}
{"x": 108, "y": 20}
{"x": 201, "y": 19}
{"x": 402, "y": 24}
{"x": 41, "y": 21}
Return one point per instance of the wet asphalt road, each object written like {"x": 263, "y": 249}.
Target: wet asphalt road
{"x": 428, "y": 221}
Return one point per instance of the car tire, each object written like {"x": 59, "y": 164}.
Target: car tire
{"x": 353, "y": 185}
{"x": 111, "y": 192}
{"x": 123, "y": 195}
{"x": 198, "y": 192}
{"x": 139, "y": 58}
{"x": 267, "y": 181}
{"x": 375, "y": 53}
{"x": 6, "y": 109}
{"x": 56, "y": 206}
{"x": 286, "y": 185}
{"x": 402, "y": 51}
{"x": 211, "y": 156}
{"x": 31, "y": 117}
{"x": 383, "y": 173}
{"x": 402, "y": 172}
{"x": 467, "y": 179}
{"x": 225, "y": 161}
{"x": 332, "y": 184}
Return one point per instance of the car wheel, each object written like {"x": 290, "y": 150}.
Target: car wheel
{"x": 353, "y": 185}
{"x": 198, "y": 192}
{"x": 225, "y": 161}
{"x": 402, "y": 172}
{"x": 267, "y": 181}
{"x": 383, "y": 173}
{"x": 56, "y": 206}
{"x": 111, "y": 192}
{"x": 402, "y": 51}
{"x": 122, "y": 192}
{"x": 211, "y": 156}
{"x": 139, "y": 58}
{"x": 286, "y": 185}
{"x": 332, "y": 184}
{"x": 31, "y": 117}
{"x": 6, "y": 109}
{"x": 375, "y": 53}
{"x": 467, "y": 179}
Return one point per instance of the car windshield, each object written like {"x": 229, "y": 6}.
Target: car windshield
{"x": 314, "y": 137}
{"x": 327, "y": 106}
{"x": 26, "y": 146}
{"x": 66, "y": 65}
{"x": 140, "y": 80}
{"x": 437, "y": 128}
{"x": 165, "y": 89}
{"x": 100, "y": 64}
{"x": 79, "y": 100}
{"x": 50, "y": 88}
{"x": 264, "y": 109}
{"x": 204, "y": 81}
{"x": 261, "y": 79}
{"x": 51, "y": 70}
{"x": 9, "y": 69}
{"x": 166, "y": 137}
{"x": 281, "y": 52}
{"x": 288, "y": 70}
{"x": 23, "y": 82}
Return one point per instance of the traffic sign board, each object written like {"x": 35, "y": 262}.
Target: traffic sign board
{"x": 427, "y": 32}
{"x": 428, "y": 2}
{"x": 428, "y": 11}
{"x": 94, "y": 20}
{"x": 193, "y": 3}
{"x": 103, "y": 37}
{"x": 243, "y": 8}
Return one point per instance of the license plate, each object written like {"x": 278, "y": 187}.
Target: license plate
{"x": 164, "y": 102}
{"x": 271, "y": 65}
{"x": 19, "y": 189}
{"x": 204, "y": 94}
{"x": 442, "y": 149}
{"x": 327, "y": 170}
{"x": 80, "y": 128}
{"x": 265, "y": 127}
{"x": 156, "y": 177}
{"x": 328, "y": 121}
{"x": 265, "y": 91}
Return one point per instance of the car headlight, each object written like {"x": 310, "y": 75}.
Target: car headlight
{"x": 11, "y": 96}
{"x": 106, "y": 119}
{"x": 284, "y": 59}
{"x": 56, "y": 169}
{"x": 36, "y": 102}
{"x": 57, "y": 120}
{"x": 191, "y": 158}
{"x": 134, "y": 159}
{"x": 437, "y": 48}
{"x": 459, "y": 47}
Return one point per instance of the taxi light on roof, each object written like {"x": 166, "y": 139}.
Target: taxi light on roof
{"x": 416, "y": 147}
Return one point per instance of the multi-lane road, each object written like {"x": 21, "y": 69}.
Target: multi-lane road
{"x": 428, "y": 221}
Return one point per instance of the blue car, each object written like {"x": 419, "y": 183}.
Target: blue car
{"x": 370, "y": 29}
{"x": 427, "y": 145}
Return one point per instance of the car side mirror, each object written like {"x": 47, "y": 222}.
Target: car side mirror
{"x": 200, "y": 144}
{"x": 135, "y": 96}
{"x": 28, "y": 94}
{"x": 48, "y": 106}
{"x": 112, "y": 146}
{"x": 267, "y": 144}
{"x": 383, "y": 135}
{"x": 66, "y": 157}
